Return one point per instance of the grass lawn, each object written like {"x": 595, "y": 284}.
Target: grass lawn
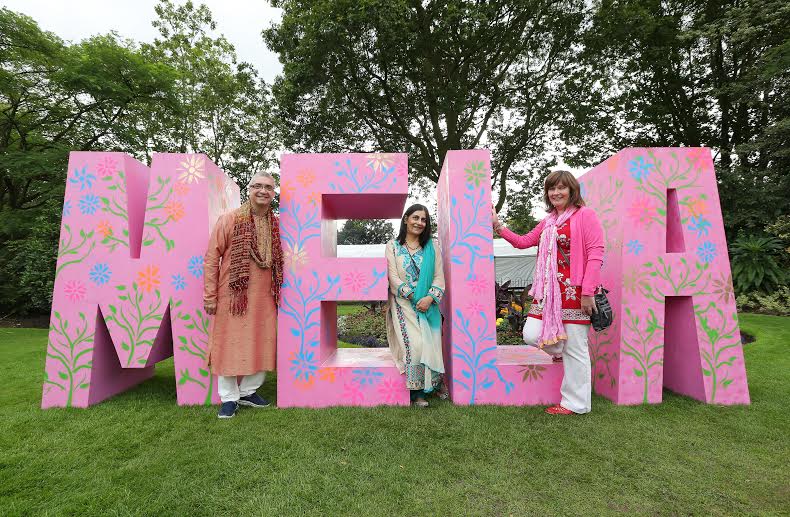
{"x": 140, "y": 453}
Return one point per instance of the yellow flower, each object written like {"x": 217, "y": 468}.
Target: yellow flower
{"x": 516, "y": 306}
{"x": 192, "y": 170}
{"x": 504, "y": 312}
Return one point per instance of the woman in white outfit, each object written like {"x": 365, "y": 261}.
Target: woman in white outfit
{"x": 567, "y": 273}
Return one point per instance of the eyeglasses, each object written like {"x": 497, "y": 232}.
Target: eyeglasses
{"x": 259, "y": 186}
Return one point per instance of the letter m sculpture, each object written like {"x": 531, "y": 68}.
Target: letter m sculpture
{"x": 129, "y": 275}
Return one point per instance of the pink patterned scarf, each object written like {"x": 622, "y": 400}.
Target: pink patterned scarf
{"x": 545, "y": 286}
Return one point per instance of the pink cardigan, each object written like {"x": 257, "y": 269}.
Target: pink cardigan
{"x": 585, "y": 272}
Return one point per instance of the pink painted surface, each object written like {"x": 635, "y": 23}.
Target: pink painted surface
{"x": 129, "y": 276}
{"x": 668, "y": 273}
{"x": 480, "y": 371}
{"x": 317, "y": 189}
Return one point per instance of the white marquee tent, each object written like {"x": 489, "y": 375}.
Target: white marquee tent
{"x": 511, "y": 263}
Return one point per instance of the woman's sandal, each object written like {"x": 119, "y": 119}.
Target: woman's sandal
{"x": 559, "y": 410}
{"x": 556, "y": 358}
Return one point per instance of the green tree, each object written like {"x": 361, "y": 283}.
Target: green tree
{"x": 366, "y": 231}
{"x": 714, "y": 73}
{"x": 222, "y": 107}
{"x": 55, "y": 98}
{"x": 755, "y": 264}
{"x": 519, "y": 212}
{"x": 426, "y": 77}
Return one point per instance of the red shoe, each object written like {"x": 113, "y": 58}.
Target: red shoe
{"x": 559, "y": 410}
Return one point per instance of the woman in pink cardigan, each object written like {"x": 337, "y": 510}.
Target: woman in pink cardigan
{"x": 567, "y": 272}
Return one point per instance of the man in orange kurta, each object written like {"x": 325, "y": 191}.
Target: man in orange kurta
{"x": 243, "y": 274}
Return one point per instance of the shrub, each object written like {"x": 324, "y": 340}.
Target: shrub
{"x": 364, "y": 328}
{"x": 755, "y": 264}
{"x": 776, "y": 302}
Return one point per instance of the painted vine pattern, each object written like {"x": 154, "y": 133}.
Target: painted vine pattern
{"x": 72, "y": 351}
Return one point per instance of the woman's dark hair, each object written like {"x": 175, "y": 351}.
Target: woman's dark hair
{"x": 426, "y": 233}
{"x": 568, "y": 180}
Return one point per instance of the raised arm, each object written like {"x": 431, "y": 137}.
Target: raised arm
{"x": 521, "y": 241}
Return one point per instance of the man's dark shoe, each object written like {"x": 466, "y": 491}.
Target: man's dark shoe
{"x": 253, "y": 400}
{"x": 228, "y": 409}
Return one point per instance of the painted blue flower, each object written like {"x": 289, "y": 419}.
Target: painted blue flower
{"x": 179, "y": 282}
{"x": 100, "y": 274}
{"x": 66, "y": 208}
{"x": 635, "y": 247}
{"x": 83, "y": 177}
{"x": 583, "y": 190}
{"x": 639, "y": 168}
{"x": 196, "y": 266}
{"x": 304, "y": 366}
{"x": 88, "y": 204}
{"x": 699, "y": 225}
{"x": 706, "y": 252}
{"x": 366, "y": 376}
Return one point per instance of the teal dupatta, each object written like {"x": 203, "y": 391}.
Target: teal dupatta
{"x": 431, "y": 320}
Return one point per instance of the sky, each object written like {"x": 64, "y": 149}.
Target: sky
{"x": 241, "y": 21}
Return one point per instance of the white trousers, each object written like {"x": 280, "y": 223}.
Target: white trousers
{"x": 230, "y": 390}
{"x": 576, "y": 387}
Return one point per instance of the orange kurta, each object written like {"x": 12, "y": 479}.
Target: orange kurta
{"x": 246, "y": 344}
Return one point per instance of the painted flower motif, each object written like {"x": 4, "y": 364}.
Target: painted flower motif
{"x": 401, "y": 169}
{"x": 305, "y": 178}
{"x": 180, "y": 189}
{"x": 698, "y": 155}
{"x": 477, "y": 284}
{"x": 66, "y": 208}
{"x": 106, "y": 166}
{"x": 175, "y": 209}
{"x": 196, "y": 266}
{"x": 75, "y": 290}
{"x": 642, "y": 211}
{"x": 700, "y": 225}
{"x": 304, "y": 366}
{"x": 104, "y": 228}
{"x": 366, "y": 376}
{"x": 389, "y": 390}
{"x": 83, "y": 177}
{"x": 532, "y": 372}
{"x": 100, "y": 274}
{"x": 476, "y": 172}
{"x": 178, "y": 282}
{"x": 635, "y": 247}
{"x": 724, "y": 288}
{"x": 148, "y": 278}
{"x": 355, "y": 280}
{"x": 475, "y": 307}
{"x": 377, "y": 161}
{"x": 314, "y": 198}
{"x": 639, "y": 168}
{"x": 286, "y": 192}
{"x": 706, "y": 252}
{"x": 295, "y": 256}
{"x": 583, "y": 189}
{"x": 328, "y": 374}
{"x": 88, "y": 204}
{"x": 698, "y": 207}
{"x": 192, "y": 169}
{"x": 352, "y": 392}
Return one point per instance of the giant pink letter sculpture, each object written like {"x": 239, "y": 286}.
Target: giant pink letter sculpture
{"x": 669, "y": 278}
{"x": 129, "y": 275}
{"x": 480, "y": 371}
{"x": 317, "y": 189}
